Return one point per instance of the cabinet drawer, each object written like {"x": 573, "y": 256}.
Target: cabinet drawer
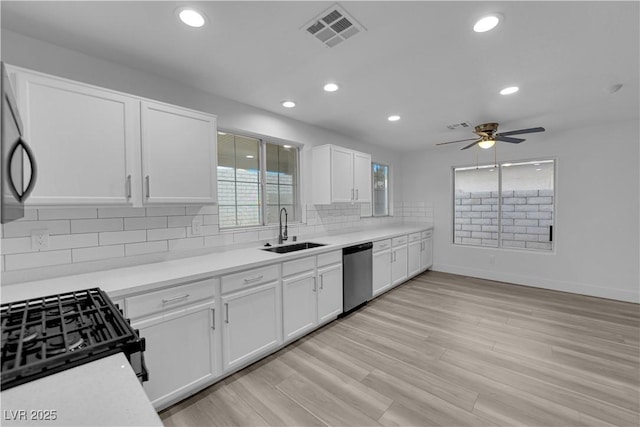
{"x": 381, "y": 245}
{"x": 329, "y": 258}
{"x": 414, "y": 237}
{"x": 427, "y": 234}
{"x": 237, "y": 281}
{"x": 141, "y": 305}
{"x": 298, "y": 266}
{"x": 400, "y": 240}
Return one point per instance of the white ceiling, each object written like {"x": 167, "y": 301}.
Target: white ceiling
{"x": 418, "y": 59}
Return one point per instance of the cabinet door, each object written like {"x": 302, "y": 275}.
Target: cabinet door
{"x": 85, "y": 141}
{"x": 342, "y": 189}
{"x": 399, "y": 271}
{"x": 381, "y": 271}
{"x": 178, "y": 155}
{"x": 414, "y": 250}
{"x": 299, "y": 305}
{"x": 329, "y": 292}
{"x": 362, "y": 177}
{"x": 180, "y": 353}
{"x": 426, "y": 256}
{"x": 252, "y": 324}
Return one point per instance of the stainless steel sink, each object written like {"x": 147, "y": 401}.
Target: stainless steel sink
{"x": 292, "y": 248}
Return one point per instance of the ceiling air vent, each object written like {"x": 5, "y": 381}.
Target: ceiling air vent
{"x": 333, "y": 26}
{"x": 459, "y": 125}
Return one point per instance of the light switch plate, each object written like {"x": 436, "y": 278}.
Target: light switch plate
{"x": 196, "y": 227}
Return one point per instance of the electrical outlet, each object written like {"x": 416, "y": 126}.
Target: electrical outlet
{"x": 40, "y": 239}
{"x": 196, "y": 227}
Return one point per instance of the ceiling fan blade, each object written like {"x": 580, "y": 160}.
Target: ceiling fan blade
{"x": 451, "y": 142}
{"x": 472, "y": 144}
{"x": 508, "y": 139}
{"x": 521, "y": 131}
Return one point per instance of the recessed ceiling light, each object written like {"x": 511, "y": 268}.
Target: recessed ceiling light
{"x": 288, "y": 104}
{"x": 393, "y": 118}
{"x": 331, "y": 87}
{"x": 221, "y": 133}
{"x": 538, "y": 169}
{"x": 249, "y": 156}
{"x": 286, "y": 146}
{"x": 509, "y": 90}
{"x": 536, "y": 164}
{"x": 191, "y": 17}
{"x": 487, "y": 23}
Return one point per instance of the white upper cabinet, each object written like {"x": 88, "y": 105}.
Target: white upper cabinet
{"x": 340, "y": 175}
{"x": 178, "y": 155}
{"x": 85, "y": 141}
{"x": 95, "y": 146}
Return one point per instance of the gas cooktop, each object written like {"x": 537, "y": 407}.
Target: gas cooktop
{"x": 42, "y": 336}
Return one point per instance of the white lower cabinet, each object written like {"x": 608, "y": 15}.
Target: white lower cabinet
{"x": 414, "y": 253}
{"x": 252, "y": 324}
{"x": 382, "y": 259}
{"x": 329, "y": 292}
{"x": 311, "y": 296}
{"x": 399, "y": 266}
{"x": 426, "y": 254}
{"x": 299, "y": 301}
{"x": 178, "y": 325}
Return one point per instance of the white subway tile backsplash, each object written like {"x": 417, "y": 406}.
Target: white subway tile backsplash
{"x": 166, "y": 233}
{"x": 37, "y": 259}
{"x": 218, "y": 240}
{"x": 89, "y": 234}
{"x": 184, "y": 244}
{"x": 16, "y": 245}
{"x": 121, "y": 212}
{"x": 70, "y": 241}
{"x": 202, "y": 210}
{"x": 166, "y": 211}
{"x": 67, "y": 213}
{"x": 97, "y": 253}
{"x": 211, "y": 219}
{"x": 145, "y": 247}
{"x": 24, "y": 228}
{"x": 96, "y": 225}
{"x": 145, "y": 223}
{"x": 183, "y": 221}
{"x": 115, "y": 237}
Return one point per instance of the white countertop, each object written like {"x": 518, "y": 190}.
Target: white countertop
{"x": 142, "y": 278}
{"x": 105, "y": 392}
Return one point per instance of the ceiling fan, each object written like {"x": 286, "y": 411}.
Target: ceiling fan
{"x": 488, "y": 136}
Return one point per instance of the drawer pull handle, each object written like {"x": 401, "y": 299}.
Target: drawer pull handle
{"x": 213, "y": 318}
{"x": 253, "y": 279}
{"x": 314, "y": 284}
{"x": 148, "y": 187}
{"x": 128, "y": 186}
{"x": 168, "y": 300}
{"x": 322, "y": 282}
{"x": 226, "y": 308}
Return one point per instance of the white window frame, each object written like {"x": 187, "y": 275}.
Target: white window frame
{"x": 262, "y": 163}
{"x": 373, "y": 215}
{"x": 501, "y": 164}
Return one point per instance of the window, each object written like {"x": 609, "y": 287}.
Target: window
{"x": 255, "y": 179}
{"x": 508, "y": 206}
{"x": 380, "y": 189}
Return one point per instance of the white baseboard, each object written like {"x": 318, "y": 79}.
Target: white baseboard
{"x": 538, "y": 282}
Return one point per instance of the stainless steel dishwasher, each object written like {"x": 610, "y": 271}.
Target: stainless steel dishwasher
{"x": 357, "y": 267}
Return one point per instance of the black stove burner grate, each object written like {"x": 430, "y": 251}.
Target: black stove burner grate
{"x": 45, "y": 335}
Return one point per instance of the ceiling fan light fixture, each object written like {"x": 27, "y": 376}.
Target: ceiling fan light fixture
{"x": 509, "y": 90}
{"x": 191, "y": 17}
{"x": 487, "y": 143}
{"x": 487, "y": 23}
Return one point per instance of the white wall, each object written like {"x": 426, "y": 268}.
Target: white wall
{"x": 596, "y": 213}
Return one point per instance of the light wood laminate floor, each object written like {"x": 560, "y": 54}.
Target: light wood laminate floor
{"x": 444, "y": 350}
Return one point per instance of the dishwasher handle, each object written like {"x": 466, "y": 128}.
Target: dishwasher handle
{"x": 357, "y": 248}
